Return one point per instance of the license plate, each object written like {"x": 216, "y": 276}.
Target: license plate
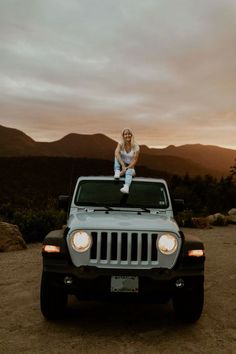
{"x": 124, "y": 284}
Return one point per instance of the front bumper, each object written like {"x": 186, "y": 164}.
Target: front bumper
{"x": 90, "y": 283}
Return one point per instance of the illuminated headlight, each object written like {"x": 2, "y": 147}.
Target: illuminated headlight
{"x": 81, "y": 241}
{"x": 167, "y": 244}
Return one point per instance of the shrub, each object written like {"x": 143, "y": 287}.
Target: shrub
{"x": 220, "y": 220}
{"x": 184, "y": 218}
{"x": 201, "y": 223}
{"x": 35, "y": 224}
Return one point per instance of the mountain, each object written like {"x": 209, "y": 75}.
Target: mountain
{"x": 210, "y": 156}
{"x": 78, "y": 145}
{"x": 194, "y": 159}
{"x": 14, "y": 142}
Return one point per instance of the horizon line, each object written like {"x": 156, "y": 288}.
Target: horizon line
{"x": 231, "y": 147}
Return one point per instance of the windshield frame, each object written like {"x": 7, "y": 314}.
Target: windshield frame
{"x": 124, "y": 198}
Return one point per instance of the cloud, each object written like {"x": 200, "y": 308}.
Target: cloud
{"x": 165, "y": 68}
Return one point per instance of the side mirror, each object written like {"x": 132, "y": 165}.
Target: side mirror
{"x": 64, "y": 202}
{"x": 178, "y": 205}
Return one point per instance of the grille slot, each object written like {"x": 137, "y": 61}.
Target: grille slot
{"x": 123, "y": 248}
{"x": 124, "y": 240}
{"x": 93, "y": 252}
{"x": 114, "y": 250}
{"x": 144, "y": 248}
{"x": 104, "y": 245}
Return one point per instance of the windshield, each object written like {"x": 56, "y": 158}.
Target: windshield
{"x": 107, "y": 193}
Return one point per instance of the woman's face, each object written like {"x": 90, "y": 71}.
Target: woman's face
{"x": 127, "y": 135}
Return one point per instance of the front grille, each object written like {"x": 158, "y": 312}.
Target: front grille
{"x": 123, "y": 248}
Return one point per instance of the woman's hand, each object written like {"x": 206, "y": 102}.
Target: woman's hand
{"x": 123, "y": 170}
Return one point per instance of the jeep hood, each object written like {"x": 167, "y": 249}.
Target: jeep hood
{"x": 118, "y": 220}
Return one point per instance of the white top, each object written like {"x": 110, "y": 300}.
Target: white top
{"x": 127, "y": 157}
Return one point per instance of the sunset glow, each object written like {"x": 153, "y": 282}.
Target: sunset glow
{"x": 166, "y": 69}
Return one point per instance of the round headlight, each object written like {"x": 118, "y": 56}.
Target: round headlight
{"x": 167, "y": 244}
{"x": 81, "y": 241}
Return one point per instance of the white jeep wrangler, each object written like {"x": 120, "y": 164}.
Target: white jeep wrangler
{"x": 122, "y": 247}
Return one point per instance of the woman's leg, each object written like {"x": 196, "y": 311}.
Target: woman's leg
{"x": 128, "y": 179}
{"x": 116, "y": 168}
{"x": 129, "y": 176}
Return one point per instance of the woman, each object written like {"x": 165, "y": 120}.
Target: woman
{"x": 126, "y": 157}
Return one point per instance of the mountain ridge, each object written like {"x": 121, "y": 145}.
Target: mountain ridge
{"x": 188, "y": 158}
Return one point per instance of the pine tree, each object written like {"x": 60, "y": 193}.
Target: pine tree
{"x": 233, "y": 169}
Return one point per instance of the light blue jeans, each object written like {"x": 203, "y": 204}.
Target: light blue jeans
{"x": 128, "y": 174}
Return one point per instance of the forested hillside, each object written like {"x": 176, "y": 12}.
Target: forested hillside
{"x": 35, "y": 182}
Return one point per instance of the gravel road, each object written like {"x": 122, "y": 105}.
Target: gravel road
{"x": 111, "y": 328}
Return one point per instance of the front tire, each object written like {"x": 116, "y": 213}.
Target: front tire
{"x": 53, "y": 301}
{"x": 188, "y": 303}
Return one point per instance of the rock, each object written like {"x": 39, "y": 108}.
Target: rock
{"x": 217, "y": 219}
{"x": 232, "y": 211}
{"x": 201, "y": 223}
{"x": 10, "y": 238}
{"x": 218, "y": 215}
{"x": 231, "y": 219}
{"x": 211, "y": 219}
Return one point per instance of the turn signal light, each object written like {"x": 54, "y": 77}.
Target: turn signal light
{"x": 51, "y": 249}
{"x": 196, "y": 253}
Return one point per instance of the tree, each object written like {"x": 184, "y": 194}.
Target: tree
{"x": 233, "y": 169}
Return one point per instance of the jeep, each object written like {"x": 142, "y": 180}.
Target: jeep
{"x": 122, "y": 247}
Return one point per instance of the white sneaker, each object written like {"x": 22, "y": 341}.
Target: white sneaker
{"x": 117, "y": 174}
{"x": 125, "y": 189}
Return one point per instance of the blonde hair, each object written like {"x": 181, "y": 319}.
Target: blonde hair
{"x": 133, "y": 143}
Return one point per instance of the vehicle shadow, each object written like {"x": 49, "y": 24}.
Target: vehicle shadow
{"x": 123, "y": 328}
{"x": 122, "y": 317}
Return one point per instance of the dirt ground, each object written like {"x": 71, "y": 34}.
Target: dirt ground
{"x": 111, "y": 328}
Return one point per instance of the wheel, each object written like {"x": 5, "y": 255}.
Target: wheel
{"x": 188, "y": 303}
{"x": 53, "y": 301}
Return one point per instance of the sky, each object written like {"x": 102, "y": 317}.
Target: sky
{"x": 164, "y": 68}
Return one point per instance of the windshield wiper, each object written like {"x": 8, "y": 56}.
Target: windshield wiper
{"x": 149, "y": 210}
{"x": 95, "y": 207}
{"x": 144, "y": 209}
{"x": 122, "y": 207}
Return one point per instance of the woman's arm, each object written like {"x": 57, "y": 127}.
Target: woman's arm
{"x": 134, "y": 160}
